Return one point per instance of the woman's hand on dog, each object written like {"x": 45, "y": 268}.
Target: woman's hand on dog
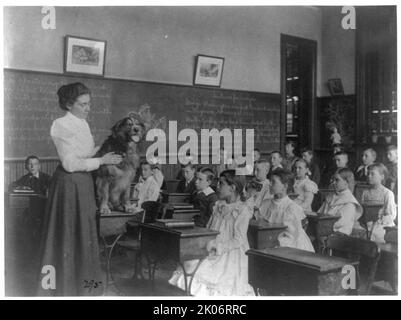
{"x": 111, "y": 158}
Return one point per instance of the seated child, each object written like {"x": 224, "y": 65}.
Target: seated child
{"x": 252, "y": 188}
{"x": 256, "y": 154}
{"x": 379, "y": 194}
{"x": 290, "y": 157}
{"x": 156, "y": 171}
{"x": 158, "y": 175}
{"x": 205, "y": 198}
{"x": 314, "y": 170}
{"x": 188, "y": 184}
{"x": 342, "y": 203}
{"x": 340, "y": 161}
{"x": 148, "y": 188}
{"x": 38, "y": 181}
{"x": 262, "y": 168}
{"x": 250, "y": 191}
{"x": 338, "y": 147}
{"x": 256, "y": 157}
{"x": 284, "y": 210}
{"x": 225, "y": 271}
{"x": 276, "y": 161}
{"x": 180, "y": 174}
{"x": 368, "y": 158}
{"x": 392, "y": 169}
{"x": 303, "y": 186}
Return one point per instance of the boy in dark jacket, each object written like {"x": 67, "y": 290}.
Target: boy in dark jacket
{"x": 188, "y": 184}
{"x": 205, "y": 197}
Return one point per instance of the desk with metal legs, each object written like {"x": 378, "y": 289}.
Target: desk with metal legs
{"x": 161, "y": 243}
{"x": 111, "y": 228}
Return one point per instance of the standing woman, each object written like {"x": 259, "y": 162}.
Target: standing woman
{"x": 70, "y": 241}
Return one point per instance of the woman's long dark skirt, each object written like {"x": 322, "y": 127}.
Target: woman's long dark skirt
{"x": 70, "y": 238}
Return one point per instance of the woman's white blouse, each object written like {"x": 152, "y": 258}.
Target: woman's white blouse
{"x": 74, "y": 143}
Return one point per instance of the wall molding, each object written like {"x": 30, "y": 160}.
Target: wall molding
{"x": 131, "y": 80}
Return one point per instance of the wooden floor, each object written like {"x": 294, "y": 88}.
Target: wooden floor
{"x": 21, "y": 277}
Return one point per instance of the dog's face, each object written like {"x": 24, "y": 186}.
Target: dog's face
{"x": 138, "y": 129}
{"x": 130, "y": 129}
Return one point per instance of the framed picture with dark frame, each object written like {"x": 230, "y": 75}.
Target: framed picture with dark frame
{"x": 335, "y": 87}
{"x": 84, "y": 55}
{"x": 208, "y": 71}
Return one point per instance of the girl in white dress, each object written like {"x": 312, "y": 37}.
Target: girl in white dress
{"x": 342, "y": 203}
{"x": 303, "y": 186}
{"x": 283, "y": 210}
{"x": 379, "y": 194}
{"x": 225, "y": 271}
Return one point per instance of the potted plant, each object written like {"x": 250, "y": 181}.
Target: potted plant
{"x": 373, "y": 130}
{"x": 388, "y": 137}
{"x": 388, "y": 129}
{"x": 375, "y": 137}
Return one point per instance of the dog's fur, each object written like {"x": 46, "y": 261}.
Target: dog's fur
{"x": 113, "y": 182}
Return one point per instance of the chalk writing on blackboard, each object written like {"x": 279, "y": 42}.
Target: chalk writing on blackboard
{"x": 31, "y": 105}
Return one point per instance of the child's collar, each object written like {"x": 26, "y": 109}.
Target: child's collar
{"x": 207, "y": 191}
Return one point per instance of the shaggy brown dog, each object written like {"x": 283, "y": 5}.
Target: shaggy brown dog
{"x": 113, "y": 182}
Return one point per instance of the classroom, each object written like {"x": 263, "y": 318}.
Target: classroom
{"x": 200, "y": 151}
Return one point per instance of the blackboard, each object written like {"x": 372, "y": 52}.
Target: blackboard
{"x": 31, "y": 105}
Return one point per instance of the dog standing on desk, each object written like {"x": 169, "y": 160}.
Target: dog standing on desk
{"x": 113, "y": 182}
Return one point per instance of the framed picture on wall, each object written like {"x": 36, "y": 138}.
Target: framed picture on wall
{"x": 208, "y": 71}
{"x": 336, "y": 87}
{"x": 84, "y": 55}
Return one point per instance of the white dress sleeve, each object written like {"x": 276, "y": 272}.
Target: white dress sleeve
{"x": 389, "y": 209}
{"x": 288, "y": 237}
{"x": 148, "y": 191}
{"x": 66, "y": 141}
{"x": 240, "y": 238}
{"x": 153, "y": 192}
{"x": 309, "y": 190}
{"x": 158, "y": 175}
{"x": 347, "y": 219}
{"x": 262, "y": 212}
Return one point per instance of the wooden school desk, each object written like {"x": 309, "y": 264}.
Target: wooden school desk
{"x": 161, "y": 243}
{"x": 370, "y": 213}
{"x": 320, "y": 227}
{"x": 174, "y": 197}
{"x": 111, "y": 228}
{"x": 180, "y": 211}
{"x": 387, "y": 268}
{"x": 262, "y": 234}
{"x": 23, "y": 216}
{"x": 171, "y": 185}
{"x": 18, "y": 202}
{"x": 289, "y": 271}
